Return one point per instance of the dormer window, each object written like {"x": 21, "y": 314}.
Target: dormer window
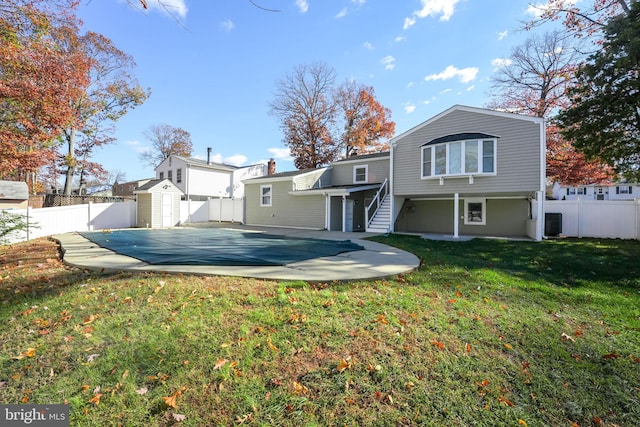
{"x": 465, "y": 154}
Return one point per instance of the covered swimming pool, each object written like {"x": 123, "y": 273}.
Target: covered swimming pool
{"x": 216, "y": 246}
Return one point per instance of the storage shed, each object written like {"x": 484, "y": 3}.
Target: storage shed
{"x": 14, "y": 195}
{"x": 158, "y": 204}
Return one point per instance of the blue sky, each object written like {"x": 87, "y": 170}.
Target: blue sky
{"x": 214, "y": 72}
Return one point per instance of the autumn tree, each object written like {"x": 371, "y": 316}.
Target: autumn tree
{"x": 535, "y": 82}
{"x": 366, "y": 121}
{"x": 112, "y": 92}
{"x": 165, "y": 141}
{"x": 39, "y": 80}
{"x": 584, "y": 20}
{"x": 604, "y": 118}
{"x": 321, "y": 121}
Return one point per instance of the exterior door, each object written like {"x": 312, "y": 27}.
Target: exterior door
{"x": 167, "y": 209}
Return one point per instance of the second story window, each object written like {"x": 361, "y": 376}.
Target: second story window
{"x": 179, "y": 175}
{"x": 453, "y": 157}
{"x": 360, "y": 174}
{"x": 161, "y": 176}
{"x": 170, "y": 175}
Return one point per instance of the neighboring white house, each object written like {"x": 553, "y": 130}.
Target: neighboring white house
{"x": 204, "y": 179}
{"x": 615, "y": 191}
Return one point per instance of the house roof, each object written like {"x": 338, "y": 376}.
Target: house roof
{"x": 14, "y": 190}
{"x": 470, "y": 110}
{"x": 364, "y": 157}
{"x": 284, "y": 175}
{"x": 459, "y": 137}
{"x": 212, "y": 165}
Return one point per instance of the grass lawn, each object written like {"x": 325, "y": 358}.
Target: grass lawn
{"x": 484, "y": 333}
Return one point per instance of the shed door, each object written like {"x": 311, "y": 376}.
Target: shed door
{"x": 167, "y": 209}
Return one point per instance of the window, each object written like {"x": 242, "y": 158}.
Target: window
{"x": 179, "y": 175}
{"x": 265, "y": 195}
{"x": 459, "y": 158}
{"x": 170, "y": 175}
{"x": 576, "y": 191}
{"x": 475, "y": 211}
{"x": 360, "y": 174}
{"x": 624, "y": 190}
{"x": 161, "y": 175}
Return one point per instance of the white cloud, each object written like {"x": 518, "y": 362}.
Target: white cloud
{"x": 442, "y": 92}
{"x": 138, "y": 147}
{"x": 236, "y": 160}
{"x": 501, "y": 63}
{"x": 538, "y": 9}
{"x": 171, "y": 7}
{"x": 502, "y": 34}
{"x": 302, "y": 5}
{"x": 400, "y": 39}
{"x": 342, "y": 13}
{"x": 409, "y": 108}
{"x": 470, "y": 88}
{"x": 227, "y": 25}
{"x": 389, "y": 62}
{"x": 368, "y": 45}
{"x": 280, "y": 153}
{"x": 358, "y": 2}
{"x": 465, "y": 74}
{"x": 410, "y": 85}
{"x": 442, "y": 8}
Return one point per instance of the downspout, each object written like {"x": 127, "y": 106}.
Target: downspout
{"x": 391, "y": 194}
{"x": 186, "y": 187}
{"x": 344, "y": 214}
{"x": 543, "y": 181}
{"x": 456, "y": 215}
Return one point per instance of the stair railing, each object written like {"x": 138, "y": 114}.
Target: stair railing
{"x": 372, "y": 209}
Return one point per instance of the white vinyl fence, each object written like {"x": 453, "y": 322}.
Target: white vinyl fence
{"x": 64, "y": 219}
{"x": 598, "y": 218}
{"x": 223, "y": 210}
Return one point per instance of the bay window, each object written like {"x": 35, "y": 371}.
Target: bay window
{"x": 459, "y": 157}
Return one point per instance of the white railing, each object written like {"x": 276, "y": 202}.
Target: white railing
{"x": 375, "y": 204}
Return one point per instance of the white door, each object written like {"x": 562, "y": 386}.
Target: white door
{"x": 349, "y": 216}
{"x": 167, "y": 210}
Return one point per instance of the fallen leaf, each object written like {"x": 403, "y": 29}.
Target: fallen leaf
{"x": 382, "y": 318}
{"x": 270, "y": 344}
{"x": 438, "y": 344}
{"x": 92, "y": 357}
{"x": 219, "y": 364}
{"x": 141, "y": 391}
{"x": 170, "y": 401}
{"x": 299, "y": 389}
{"x": 611, "y": 356}
{"x": 467, "y": 347}
{"x": 565, "y": 337}
{"x": 96, "y": 399}
{"x": 522, "y": 422}
{"x": 178, "y": 417}
{"x": 343, "y": 365}
{"x": 508, "y": 346}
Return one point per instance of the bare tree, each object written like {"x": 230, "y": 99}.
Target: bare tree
{"x": 165, "y": 141}
{"x": 307, "y": 114}
{"x": 536, "y": 76}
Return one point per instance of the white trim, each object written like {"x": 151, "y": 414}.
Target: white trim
{"x": 356, "y": 160}
{"x": 270, "y": 195}
{"x": 366, "y": 174}
{"x": 463, "y": 147}
{"x": 483, "y": 215}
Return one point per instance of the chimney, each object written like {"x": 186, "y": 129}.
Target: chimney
{"x": 208, "y": 155}
{"x": 271, "y": 167}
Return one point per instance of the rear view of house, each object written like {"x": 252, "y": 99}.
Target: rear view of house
{"x": 470, "y": 171}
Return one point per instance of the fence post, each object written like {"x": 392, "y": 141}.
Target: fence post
{"x": 89, "y": 226}
{"x": 580, "y": 217}
{"x": 28, "y": 224}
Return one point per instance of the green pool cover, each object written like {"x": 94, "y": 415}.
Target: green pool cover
{"x": 215, "y": 246}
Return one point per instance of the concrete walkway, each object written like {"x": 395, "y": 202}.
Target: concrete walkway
{"x": 375, "y": 261}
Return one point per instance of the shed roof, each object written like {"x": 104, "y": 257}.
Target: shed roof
{"x": 14, "y": 190}
{"x": 146, "y": 188}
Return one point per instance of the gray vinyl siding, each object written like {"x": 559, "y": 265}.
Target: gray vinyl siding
{"x": 143, "y": 210}
{"x": 377, "y": 169}
{"x": 504, "y": 218}
{"x": 518, "y": 156}
{"x": 315, "y": 179}
{"x": 285, "y": 210}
